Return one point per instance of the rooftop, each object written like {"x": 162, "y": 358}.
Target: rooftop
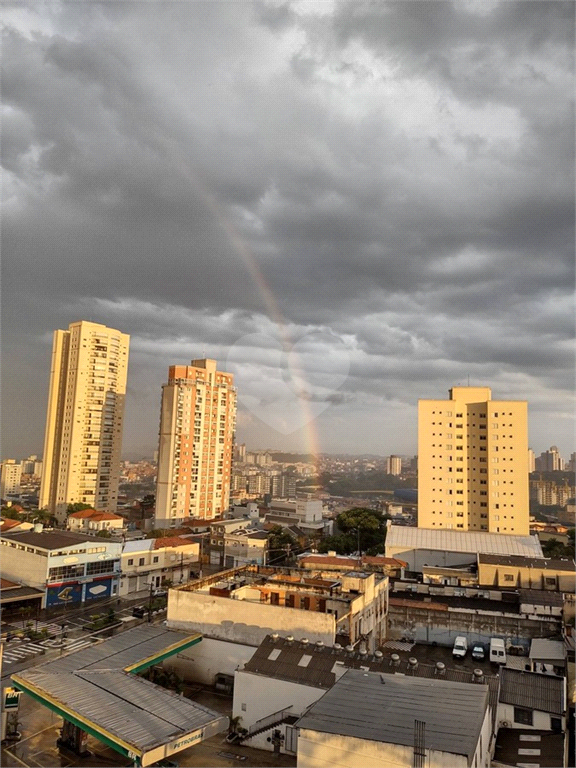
{"x": 518, "y": 561}
{"x": 99, "y": 685}
{"x": 532, "y": 690}
{"x": 52, "y": 539}
{"x": 512, "y": 743}
{"x": 383, "y": 708}
{"x": 471, "y": 542}
{"x": 541, "y": 597}
{"x": 171, "y": 541}
{"x": 547, "y": 650}
{"x": 93, "y": 514}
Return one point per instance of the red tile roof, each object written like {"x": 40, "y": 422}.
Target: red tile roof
{"x": 171, "y": 541}
{"x": 92, "y": 514}
{"x": 8, "y": 523}
{"x": 5, "y": 584}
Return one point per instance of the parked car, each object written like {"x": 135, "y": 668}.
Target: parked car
{"x": 139, "y": 611}
{"x": 460, "y": 647}
{"x": 478, "y": 652}
{"x": 497, "y": 651}
{"x": 160, "y": 593}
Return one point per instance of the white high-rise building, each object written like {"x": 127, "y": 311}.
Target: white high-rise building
{"x": 85, "y": 418}
{"x": 197, "y": 425}
{"x": 10, "y": 475}
{"x": 394, "y": 465}
{"x": 473, "y": 463}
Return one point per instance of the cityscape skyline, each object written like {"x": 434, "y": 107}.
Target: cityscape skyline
{"x": 349, "y": 211}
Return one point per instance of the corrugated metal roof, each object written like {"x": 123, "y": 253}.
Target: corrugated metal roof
{"x": 532, "y": 690}
{"x": 461, "y": 541}
{"x": 142, "y": 545}
{"x": 93, "y": 684}
{"x": 541, "y": 648}
{"x": 383, "y": 708}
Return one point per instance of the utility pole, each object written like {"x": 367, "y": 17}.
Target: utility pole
{"x": 150, "y": 602}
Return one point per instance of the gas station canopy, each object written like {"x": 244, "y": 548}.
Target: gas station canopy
{"x": 97, "y": 690}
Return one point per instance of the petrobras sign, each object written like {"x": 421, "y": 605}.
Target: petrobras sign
{"x": 11, "y": 698}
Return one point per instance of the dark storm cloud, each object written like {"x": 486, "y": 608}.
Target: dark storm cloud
{"x": 388, "y": 186}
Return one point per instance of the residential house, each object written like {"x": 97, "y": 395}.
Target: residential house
{"x": 92, "y": 521}
{"x": 151, "y": 562}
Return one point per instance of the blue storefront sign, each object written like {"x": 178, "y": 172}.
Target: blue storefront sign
{"x": 63, "y": 594}
{"x": 99, "y": 588}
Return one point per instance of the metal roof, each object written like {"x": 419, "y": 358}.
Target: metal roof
{"x": 541, "y": 597}
{"x": 550, "y": 650}
{"x": 318, "y": 673}
{"x": 512, "y": 743}
{"x": 96, "y": 687}
{"x": 544, "y": 693}
{"x": 461, "y": 541}
{"x": 383, "y": 708}
{"x": 138, "y": 545}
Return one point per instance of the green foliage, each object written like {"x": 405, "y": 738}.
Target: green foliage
{"x": 556, "y": 549}
{"x": 148, "y": 501}
{"x": 77, "y": 507}
{"x": 281, "y": 545}
{"x": 357, "y": 526}
{"x": 104, "y": 534}
{"x": 10, "y": 514}
{"x": 157, "y": 533}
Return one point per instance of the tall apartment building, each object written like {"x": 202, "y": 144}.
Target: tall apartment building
{"x": 549, "y": 461}
{"x": 394, "y": 465}
{"x": 197, "y": 424}
{"x": 85, "y": 416}
{"x": 473, "y": 463}
{"x": 10, "y": 475}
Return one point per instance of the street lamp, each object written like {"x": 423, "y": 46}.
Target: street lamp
{"x": 151, "y": 585}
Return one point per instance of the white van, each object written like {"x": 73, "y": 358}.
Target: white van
{"x": 497, "y": 651}
{"x": 460, "y": 648}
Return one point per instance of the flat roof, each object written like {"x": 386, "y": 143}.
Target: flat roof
{"x": 541, "y": 597}
{"x": 54, "y": 539}
{"x": 366, "y": 705}
{"x": 97, "y": 689}
{"x": 512, "y": 743}
{"x": 549, "y": 650}
{"x": 519, "y": 561}
{"x": 471, "y": 542}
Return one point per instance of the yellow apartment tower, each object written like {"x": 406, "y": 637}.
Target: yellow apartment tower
{"x": 473, "y": 463}
{"x": 85, "y": 416}
{"x": 197, "y": 425}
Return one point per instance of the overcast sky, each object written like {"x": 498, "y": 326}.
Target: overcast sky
{"x": 351, "y": 206}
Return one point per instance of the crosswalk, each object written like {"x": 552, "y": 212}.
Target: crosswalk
{"x": 17, "y": 654}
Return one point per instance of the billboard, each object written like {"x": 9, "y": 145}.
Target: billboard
{"x": 98, "y": 588}
{"x": 63, "y": 595}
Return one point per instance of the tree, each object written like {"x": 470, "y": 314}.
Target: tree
{"x": 148, "y": 501}
{"x": 157, "y": 533}
{"x": 364, "y": 529}
{"x": 104, "y": 534}
{"x": 11, "y": 514}
{"x": 77, "y": 507}
{"x": 280, "y": 545}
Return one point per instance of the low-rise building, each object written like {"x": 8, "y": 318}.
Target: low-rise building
{"x": 421, "y": 547}
{"x": 331, "y": 562}
{"x": 368, "y": 720}
{"x": 92, "y": 521}
{"x": 531, "y": 700}
{"x": 9, "y": 525}
{"x": 152, "y": 562}
{"x": 68, "y": 567}
{"x": 285, "y": 676}
{"x": 306, "y": 514}
{"x": 244, "y": 605}
{"x": 516, "y": 571}
{"x": 245, "y": 547}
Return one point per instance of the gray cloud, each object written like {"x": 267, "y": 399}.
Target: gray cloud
{"x": 389, "y": 182}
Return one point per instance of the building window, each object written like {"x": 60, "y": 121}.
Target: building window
{"x": 141, "y": 561}
{"x": 508, "y": 577}
{"x": 523, "y": 716}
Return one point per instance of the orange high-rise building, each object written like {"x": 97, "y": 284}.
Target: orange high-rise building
{"x": 197, "y": 424}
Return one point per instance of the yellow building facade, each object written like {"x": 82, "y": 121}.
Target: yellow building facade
{"x": 473, "y": 463}
{"x": 197, "y": 425}
{"x": 84, "y": 421}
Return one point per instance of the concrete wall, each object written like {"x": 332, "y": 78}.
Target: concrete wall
{"x": 245, "y": 622}
{"x": 541, "y": 720}
{"x": 430, "y": 624}
{"x": 203, "y": 661}
{"x": 25, "y": 567}
{"x": 256, "y": 696}
{"x": 327, "y": 750}
{"x": 514, "y": 577}
{"x": 418, "y": 558}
